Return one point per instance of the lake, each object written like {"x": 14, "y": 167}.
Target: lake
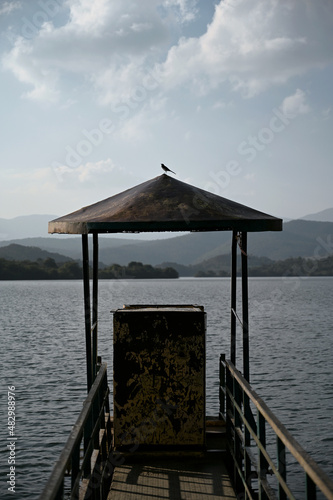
{"x": 43, "y": 356}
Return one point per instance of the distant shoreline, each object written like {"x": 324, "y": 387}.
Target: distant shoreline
{"x": 48, "y": 269}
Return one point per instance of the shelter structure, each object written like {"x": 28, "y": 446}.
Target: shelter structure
{"x": 164, "y": 204}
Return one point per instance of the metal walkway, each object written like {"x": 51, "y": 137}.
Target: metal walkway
{"x": 181, "y": 478}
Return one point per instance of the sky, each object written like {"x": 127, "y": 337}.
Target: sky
{"x": 235, "y": 96}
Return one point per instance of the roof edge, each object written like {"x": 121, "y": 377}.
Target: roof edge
{"x": 158, "y": 226}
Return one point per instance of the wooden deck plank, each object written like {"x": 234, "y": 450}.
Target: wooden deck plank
{"x": 179, "y": 478}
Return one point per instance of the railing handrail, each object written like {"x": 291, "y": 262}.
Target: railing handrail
{"x": 312, "y": 469}
{"x": 74, "y": 439}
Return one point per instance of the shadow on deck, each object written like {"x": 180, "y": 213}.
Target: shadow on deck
{"x": 179, "y": 476}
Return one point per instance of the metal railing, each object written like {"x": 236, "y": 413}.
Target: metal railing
{"x": 83, "y": 469}
{"x": 252, "y": 465}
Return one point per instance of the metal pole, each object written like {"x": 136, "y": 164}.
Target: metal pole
{"x": 233, "y": 296}
{"x": 245, "y": 307}
{"x": 87, "y": 317}
{"x": 95, "y": 303}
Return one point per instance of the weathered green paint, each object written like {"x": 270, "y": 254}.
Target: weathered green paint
{"x": 159, "y": 376}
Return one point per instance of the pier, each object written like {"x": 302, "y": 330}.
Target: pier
{"x": 156, "y": 440}
{"x": 179, "y": 478}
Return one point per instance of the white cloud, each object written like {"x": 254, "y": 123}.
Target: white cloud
{"x": 295, "y": 104}
{"x": 186, "y": 10}
{"x": 112, "y": 46}
{"x": 85, "y": 172}
{"x": 219, "y": 105}
{"x": 89, "y": 17}
{"x": 27, "y": 70}
{"x": 31, "y": 176}
{"x": 129, "y": 82}
{"x": 105, "y": 43}
{"x": 8, "y": 7}
{"x": 253, "y": 44}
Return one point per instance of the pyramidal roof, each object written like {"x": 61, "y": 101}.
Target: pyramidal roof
{"x": 164, "y": 204}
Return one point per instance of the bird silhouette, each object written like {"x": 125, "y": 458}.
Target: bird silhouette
{"x": 166, "y": 169}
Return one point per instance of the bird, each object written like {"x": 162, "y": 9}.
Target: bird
{"x": 166, "y": 169}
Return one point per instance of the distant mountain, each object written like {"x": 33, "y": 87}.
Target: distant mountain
{"x": 299, "y": 238}
{"x": 323, "y": 216}
{"x": 25, "y": 226}
{"x": 36, "y": 226}
{"x": 21, "y": 253}
{"x": 186, "y": 249}
{"x": 70, "y": 245}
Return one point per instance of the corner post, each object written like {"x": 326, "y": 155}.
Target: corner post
{"x": 245, "y": 308}
{"x": 87, "y": 315}
{"x": 233, "y": 297}
{"x": 95, "y": 305}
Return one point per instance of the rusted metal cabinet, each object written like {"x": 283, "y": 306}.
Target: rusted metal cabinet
{"x": 159, "y": 376}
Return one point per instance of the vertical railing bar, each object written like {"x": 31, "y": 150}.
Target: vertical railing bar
{"x": 238, "y": 399}
{"x": 60, "y": 492}
{"x": 247, "y": 415}
{"x": 102, "y": 396}
{"x": 222, "y": 385}
{"x": 310, "y": 488}
{"x": 262, "y": 462}
{"x": 247, "y": 440}
{"x": 75, "y": 465}
{"x": 281, "y": 457}
{"x": 95, "y": 416}
{"x": 228, "y": 403}
{"x": 238, "y": 451}
{"x": 87, "y": 430}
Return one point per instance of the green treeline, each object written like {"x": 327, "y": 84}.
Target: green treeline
{"x": 137, "y": 270}
{"x": 45, "y": 269}
{"x": 48, "y": 269}
{"x": 298, "y": 266}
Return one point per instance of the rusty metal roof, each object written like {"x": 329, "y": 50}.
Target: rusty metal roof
{"x": 164, "y": 204}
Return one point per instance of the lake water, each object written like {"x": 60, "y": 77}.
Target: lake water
{"x": 43, "y": 356}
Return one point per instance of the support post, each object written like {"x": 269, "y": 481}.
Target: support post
{"x": 233, "y": 297}
{"x": 95, "y": 305}
{"x": 87, "y": 315}
{"x": 245, "y": 308}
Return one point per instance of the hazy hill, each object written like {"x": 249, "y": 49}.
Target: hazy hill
{"x": 70, "y": 245}
{"x": 21, "y": 253}
{"x": 299, "y": 238}
{"x": 24, "y": 226}
{"x": 31, "y": 226}
{"x": 323, "y": 216}
{"x": 183, "y": 249}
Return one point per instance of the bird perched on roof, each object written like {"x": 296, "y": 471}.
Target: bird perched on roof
{"x": 166, "y": 169}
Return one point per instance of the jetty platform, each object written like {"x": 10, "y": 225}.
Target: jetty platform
{"x": 188, "y": 478}
{"x": 180, "y": 476}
